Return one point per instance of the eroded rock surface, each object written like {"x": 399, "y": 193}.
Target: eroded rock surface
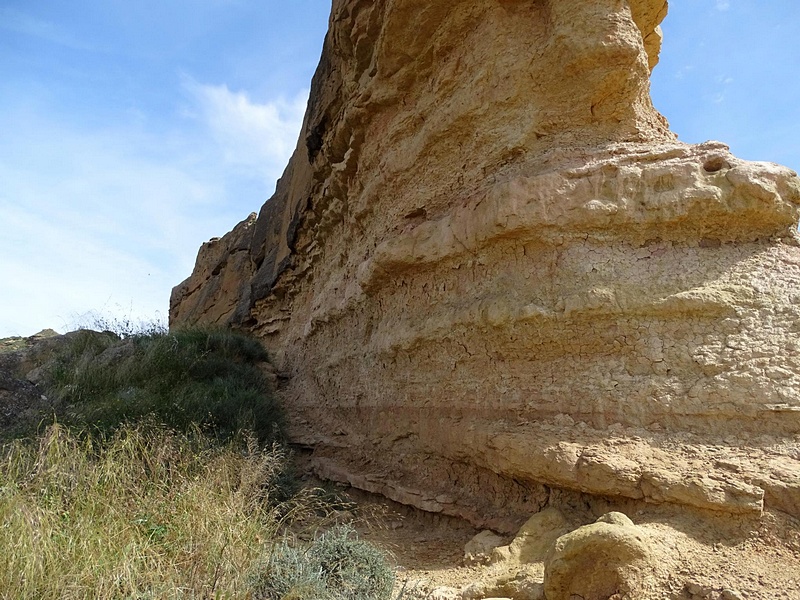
{"x": 490, "y": 271}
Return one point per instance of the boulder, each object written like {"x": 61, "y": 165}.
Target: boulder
{"x": 480, "y": 548}
{"x": 609, "y": 558}
{"x": 534, "y": 539}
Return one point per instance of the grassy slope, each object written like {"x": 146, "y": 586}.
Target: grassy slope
{"x": 167, "y": 482}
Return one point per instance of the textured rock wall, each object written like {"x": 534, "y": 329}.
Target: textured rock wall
{"x": 490, "y": 271}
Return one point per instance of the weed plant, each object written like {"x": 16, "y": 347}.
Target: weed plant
{"x": 211, "y": 378}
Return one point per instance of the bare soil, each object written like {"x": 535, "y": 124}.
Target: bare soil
{"x": 714, "y": 554}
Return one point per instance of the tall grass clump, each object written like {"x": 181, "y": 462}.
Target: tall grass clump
{"x": 143, "y": 513}
{"x": 118, "y": 322}
{"x": 211, "y": 378}
{"x": 163, "y": 477}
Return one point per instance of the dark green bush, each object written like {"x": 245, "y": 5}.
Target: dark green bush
{"x": 336, "y": 566}
{"x": 194, "y": 377}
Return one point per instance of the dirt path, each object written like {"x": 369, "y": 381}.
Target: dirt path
{"x": 427, "y": 549}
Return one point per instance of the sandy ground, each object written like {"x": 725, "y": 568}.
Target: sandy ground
{"x": 723, "y": 556}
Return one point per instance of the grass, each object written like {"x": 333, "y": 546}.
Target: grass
{"x": 146, "y": 513}
{"x": 212, "y": 378}
{"x": 120, "y": 322}
{"x": 168, "y": 481}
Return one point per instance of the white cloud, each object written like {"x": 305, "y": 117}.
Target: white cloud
{"x": 253, "y": 136}
{"x": 95, "y": 220}
{"x": 723, "y": 5}
{"x": 87, "y": 225}
{"x": 54, "y": 273}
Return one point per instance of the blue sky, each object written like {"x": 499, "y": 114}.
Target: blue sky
{"x": 131, "y": 132}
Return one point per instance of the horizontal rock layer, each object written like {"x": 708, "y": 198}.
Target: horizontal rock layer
{"x": 489, "y": 270}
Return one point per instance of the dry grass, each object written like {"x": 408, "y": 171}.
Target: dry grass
{"x": 148, "y": 513}
{"x": 153, "y": 491}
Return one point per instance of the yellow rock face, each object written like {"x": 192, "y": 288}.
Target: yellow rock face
{"x": 490, "y": 270}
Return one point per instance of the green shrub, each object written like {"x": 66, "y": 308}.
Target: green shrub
{"x": 336, "y": 566}
{"x": 206, "y": 377}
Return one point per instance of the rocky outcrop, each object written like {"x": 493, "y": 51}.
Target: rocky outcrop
{"x": 23, "y": 362}
{"x": 597, "y": 561}
{"x": 609, "y": 559}
{"x": 220, "y": 280}
{"x": 490, "y": 271}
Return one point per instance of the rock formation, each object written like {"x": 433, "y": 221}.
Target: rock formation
{"x": 594, "y": 562}
{"x": 23, "y": 362}
{"x": 490, "y": 273}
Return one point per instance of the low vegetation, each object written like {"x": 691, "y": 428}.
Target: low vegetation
{"x": 211, "y": 378}
{"x": 165, "y": 478}
{"x": 335, "y": 566}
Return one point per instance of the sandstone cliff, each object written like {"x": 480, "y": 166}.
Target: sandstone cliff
{"x": 491, "y": 275}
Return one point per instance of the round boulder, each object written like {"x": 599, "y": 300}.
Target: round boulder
{"x": 609, "y": 558}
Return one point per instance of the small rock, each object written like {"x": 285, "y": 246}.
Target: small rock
{"x": 444, "y": 593}
{"x": 473, "y": 591}
{"x": 616, "y": 518}
{"x": 479, "y": 548}
{"x": 563, "y": 420}
{"x": 698, "y": 591}
{"x": 728, "y": 594}
{"x": 38, "y": 375}
{"x": 500, "y": 554}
